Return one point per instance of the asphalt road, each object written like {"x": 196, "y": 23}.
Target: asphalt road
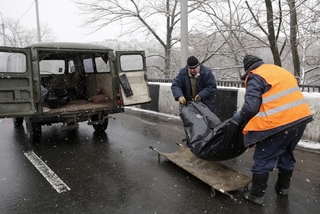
{"x": 116, "y": 172}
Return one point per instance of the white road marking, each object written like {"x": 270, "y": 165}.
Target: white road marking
{"x": 51, "y": 177}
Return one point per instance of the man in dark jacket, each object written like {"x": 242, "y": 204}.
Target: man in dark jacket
{"x": 195, "y": 82}
{"x": 276, "y": 115}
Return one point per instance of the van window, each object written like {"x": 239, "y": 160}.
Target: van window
{"x": 88, "y": 66}
{"x": 131, "y": 62}
{"x": 52, "y": 67}
{"x": 102, "y": 67}
{"x": 13, "y": 62}
{"x": 71, "y": 66}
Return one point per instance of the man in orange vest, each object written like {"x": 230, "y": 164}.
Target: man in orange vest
{"x": 276, "y": 115}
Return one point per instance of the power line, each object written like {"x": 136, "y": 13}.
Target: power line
{"x": 26, "y": 11}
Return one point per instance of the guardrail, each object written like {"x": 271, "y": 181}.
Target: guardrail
{"x": 240, "y": 84}
{"x": 228, "y": 101}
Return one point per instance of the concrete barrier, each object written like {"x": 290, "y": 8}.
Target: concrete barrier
{"x": 228, "y": 101}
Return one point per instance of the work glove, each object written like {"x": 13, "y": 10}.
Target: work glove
{"x": 237, "y": 117}
{"x": 197, "y": 98}
{"x": 182, "y": 100}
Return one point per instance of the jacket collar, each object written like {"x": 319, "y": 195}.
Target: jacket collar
{"x": 252, "y": 67}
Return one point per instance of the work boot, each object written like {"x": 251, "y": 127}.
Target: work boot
{"x": 259, "y": 185}
{"x": 283, "y": 182}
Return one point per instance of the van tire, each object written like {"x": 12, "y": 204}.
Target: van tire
{"x": 34, "y": 132}
{"x": 101, "y": 127}
{"x": 18, "y": 121}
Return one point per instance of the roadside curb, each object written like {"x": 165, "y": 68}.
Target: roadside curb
{"x": 303, "y": 144}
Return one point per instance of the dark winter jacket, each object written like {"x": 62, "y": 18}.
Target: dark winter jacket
{"x": 206, "y": 86}
{"x": 255, "y": 87}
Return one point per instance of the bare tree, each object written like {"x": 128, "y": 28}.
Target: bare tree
{"x": 157, "y": 19}
{"x": 18, "y": 36}
{"x": 276, "y": 22}
{"x": 221, "y": 31}
{"x": 293, "y": 38}
{"x": 308, "y": 37}
{"x": 297, "y": 32}
{"x": 147, "y": 17}
{"x": 226, "y": 39}
{"x": 271, "y": 33}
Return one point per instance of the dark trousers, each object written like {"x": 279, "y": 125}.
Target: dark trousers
{"x": 277, "y": 151}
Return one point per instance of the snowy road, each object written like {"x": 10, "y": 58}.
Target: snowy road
{"x": 116, "y": 172}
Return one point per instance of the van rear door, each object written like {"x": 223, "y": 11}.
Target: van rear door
{"x": 132, "y": 70}
{"x": 17, "y": 97}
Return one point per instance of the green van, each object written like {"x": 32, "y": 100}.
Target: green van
{"x": 68, "y": 83}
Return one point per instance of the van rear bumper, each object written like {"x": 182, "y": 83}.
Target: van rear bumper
{"x": 45, "y": 119}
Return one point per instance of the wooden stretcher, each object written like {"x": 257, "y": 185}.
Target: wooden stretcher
{"x": 220, "y": 177}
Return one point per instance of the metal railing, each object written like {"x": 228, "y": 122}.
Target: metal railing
{"x": 240, "y": 84}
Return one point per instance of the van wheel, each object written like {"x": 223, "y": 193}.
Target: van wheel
{"x": 34, "y": 132}
{"x": 17, "y": 121}
{"x": 100, "y": 127}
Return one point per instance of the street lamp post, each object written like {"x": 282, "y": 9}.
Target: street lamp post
{"x": 3, "y": 32}
{"x": 38, "y": 22}
{"x": 184, "y": 32}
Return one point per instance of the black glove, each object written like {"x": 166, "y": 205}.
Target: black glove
{"x": 237, "y": 117}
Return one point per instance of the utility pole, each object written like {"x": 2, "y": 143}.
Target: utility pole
{"x": 38, "y": 22}
{"x": 184, "y": 32}
{"x": 3, "y": 32}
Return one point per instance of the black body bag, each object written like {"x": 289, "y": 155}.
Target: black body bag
{"x": 208, "y": 137}
{"x": 56, "y": 97}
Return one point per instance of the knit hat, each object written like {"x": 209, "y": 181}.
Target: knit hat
{"x": 249, "y": 60}
{"x": 193, "y": 62}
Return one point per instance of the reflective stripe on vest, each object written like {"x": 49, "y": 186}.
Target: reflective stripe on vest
{"x": 282, "y": 104}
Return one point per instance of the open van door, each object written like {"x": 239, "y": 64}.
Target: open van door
{"x": 132, "y": 71}
{"x": 17, "y": 96}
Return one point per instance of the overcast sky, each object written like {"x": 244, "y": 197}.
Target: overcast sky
{"x": 60, "y": 15}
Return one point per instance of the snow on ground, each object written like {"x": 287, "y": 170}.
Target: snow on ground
{"x": 309, "y": 144}
{"x": 303, "y": 143}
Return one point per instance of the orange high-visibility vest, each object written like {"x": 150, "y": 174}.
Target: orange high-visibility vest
{"x": 282, "y": 104}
